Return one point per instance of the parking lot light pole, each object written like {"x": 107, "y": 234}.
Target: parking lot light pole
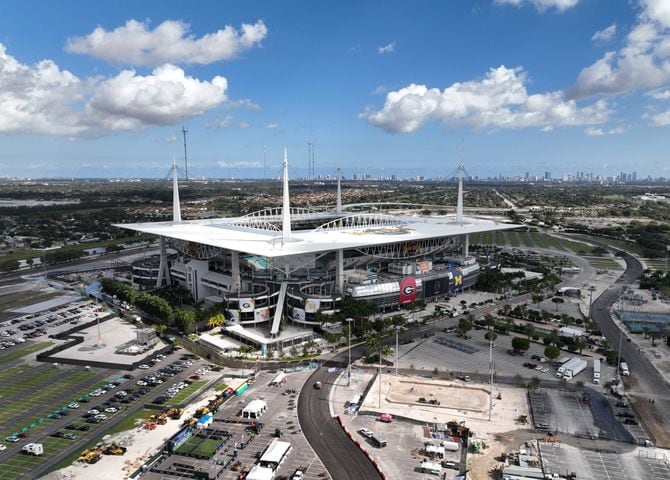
{"x": 349, "y": 320}
{"x": 591, "y": 290}
{"x": 490, "y": 374}
{"x": 397, "y": 329}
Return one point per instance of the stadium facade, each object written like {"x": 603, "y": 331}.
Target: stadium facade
{"x": 298, "y": 265}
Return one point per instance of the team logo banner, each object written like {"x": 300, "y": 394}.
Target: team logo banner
{"x": 312, "y": 305}
{"x": 247, "y": 304}
{"x": 407, "y": 290}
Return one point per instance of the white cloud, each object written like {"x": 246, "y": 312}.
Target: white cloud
{"x": 165, "y": 97}
{"x": 643, "y": 62}
{"x": 542, "y": 5}
{"x": 38, "y": 98}
{"x": 244, "y": 103}
{"x": 661, "y": 119}
{"x": 659, "y": 94}
{"x": 272, "y": 125}
{"x": 386, "y": 48}
{"x": 240, "y": 164}
{"x": 41, "y": 98}
{"x": 658, "y": 11}
{"x": 605, "y": 35}
{"x": 229, "y": 122}
{"x": 171, "y": 138}
{"x": 380, "y": 90}
{"x": 169, "y": 42}
{"x": 599, "y": 132}
{"x": 500, "y": 100}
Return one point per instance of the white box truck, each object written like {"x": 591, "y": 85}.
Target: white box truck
{"x": 624, "y": 369}
{"x": 578, "y": 366}
{"x": 596, "y": 371}
{"x": 429, "y": 467}
{"x": 561, "y": 370}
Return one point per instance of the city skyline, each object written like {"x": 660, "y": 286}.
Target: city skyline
{"x": 514, "y": 86}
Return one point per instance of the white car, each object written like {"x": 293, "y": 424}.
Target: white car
{"x": 3, "y": 447}
{"x": 93, "y": 411}
{"x": 101, "y": 416}
{"x": 144, "y": 366}
{"x": 111, "y": 410}
{"x": 142, "y": 383}
{"x": 298, "y": 475}
{"x": 73, "y": 405}
{"x": 366, "y": 432}
{"x": 545, "y": 370}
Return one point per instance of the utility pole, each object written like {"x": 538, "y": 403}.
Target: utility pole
{"x": 490, "y": 375}
{"x": 591, "y": 290}
{"x": 184, "y": 131}
{"x": 397, "y": 329}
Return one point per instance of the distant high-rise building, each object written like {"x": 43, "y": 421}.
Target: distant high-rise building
{"x": 635, "y": 176}
{"x": 547, "y": 175}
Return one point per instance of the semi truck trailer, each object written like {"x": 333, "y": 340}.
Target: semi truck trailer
{"x": 575, "y": 369}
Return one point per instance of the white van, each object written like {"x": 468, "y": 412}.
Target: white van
{"x": 429, "y": 467}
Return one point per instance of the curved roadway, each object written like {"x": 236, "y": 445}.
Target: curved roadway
{"x": 647, "y": 382}
{"x": 341, "y": 457}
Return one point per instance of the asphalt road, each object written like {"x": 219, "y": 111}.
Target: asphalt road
{"x": 341, "y": 457}
{"x": 650, "y": 384}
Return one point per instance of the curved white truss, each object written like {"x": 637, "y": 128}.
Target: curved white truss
{"x": 198, "y": 251}
{"x": 276, "y": 213}
{"x": 361, "y": 220}
{"x": 407, "y": 250}
{"x": 256, "y": 223}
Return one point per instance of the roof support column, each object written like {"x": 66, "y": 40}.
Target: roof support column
{"x": 465, "y": 241}
{"x": 163, "y": 270}
{"x": 339, "y": 271}
{"x": 235, "y": 269}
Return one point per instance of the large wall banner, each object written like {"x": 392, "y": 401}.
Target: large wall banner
{"x": 261, "y": 314}
{"x": 299, "y": 314}
{"x": 407, "y": 290}
{"x": 435, "y": 287}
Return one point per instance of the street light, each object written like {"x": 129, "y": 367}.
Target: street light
{"x": 397, "y": 329}
{"x": 349, "y": 320}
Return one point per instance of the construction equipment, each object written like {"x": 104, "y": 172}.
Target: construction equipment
{"x": 523, "y": 418}
{"x": 114, "y": 449}
{"x": 174, "y": 413}
{"x": 161, "y": 419}
{"x": 90, "y": 455}
{"x": 150, "y": 424}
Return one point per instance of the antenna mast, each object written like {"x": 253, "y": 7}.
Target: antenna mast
{"x": 184, "y": 131}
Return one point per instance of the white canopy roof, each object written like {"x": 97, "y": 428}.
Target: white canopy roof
{"x": 226, "y": 233}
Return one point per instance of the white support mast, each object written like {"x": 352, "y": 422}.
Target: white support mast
{"x": 176, "y": 207}
{"x": 338, "y": 206}
{"x": 459, "y": 201}
{"x": 286, "y": 206}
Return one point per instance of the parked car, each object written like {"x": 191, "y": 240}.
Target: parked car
{"x": 366, "y": 432}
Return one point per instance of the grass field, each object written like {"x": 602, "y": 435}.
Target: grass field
{"x": 200, "y": 447}
{"x": 607, "y": 263}
{"x": 20, "y": 299}
{"x": 620, "y": 244}
{"x": 22, "y": 352}
{"x": 45, "y": 391}
{"x": 128, "y": 423}
{"x": 186, "y": 392}
{"x": 19, "y": 465}
{"x": 11, "y": 372}
{"x": 530, "y": 240}
{"x": 656, "y": 264}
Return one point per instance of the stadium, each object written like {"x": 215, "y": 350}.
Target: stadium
{"x": 279, "y": 271}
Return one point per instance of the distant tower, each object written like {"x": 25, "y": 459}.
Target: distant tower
{"x": 286, "y": 205}
{"x": 338, "y": 206}
{"x": 184, "y": 131}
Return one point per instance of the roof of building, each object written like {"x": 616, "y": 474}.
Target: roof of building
{"x": 349, "y": 231}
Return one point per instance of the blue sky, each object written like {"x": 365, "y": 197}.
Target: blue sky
{"x": 102, "y": 89}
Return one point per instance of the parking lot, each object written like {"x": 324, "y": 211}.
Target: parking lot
{"x": 239, "y": 445}
{"x": 67, "y": 407}
{"x": 592, "y": 465}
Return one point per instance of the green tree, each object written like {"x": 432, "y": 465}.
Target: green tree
{"x": 552, "y": 352}
{"x": 520, "y": 344}
{"x": 464, "y": 326}
{"x": 184, "y": 321}
{"x": 491, "y": 336}
{"x": 529, "y": 330}
{"x": 556, "y": 301}
{"x": 216, "y": 320}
